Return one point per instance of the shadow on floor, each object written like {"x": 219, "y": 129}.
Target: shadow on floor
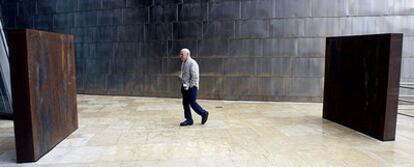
{"x": 6, "y": 116}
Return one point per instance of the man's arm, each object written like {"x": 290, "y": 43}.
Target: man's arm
{"x": 194, "y": 72}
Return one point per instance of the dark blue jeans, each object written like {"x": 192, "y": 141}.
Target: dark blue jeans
{"x": 189, "y": 99}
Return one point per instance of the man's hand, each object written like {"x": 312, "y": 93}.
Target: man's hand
{"x": 185, "y": 86}
{"x": 180, "y": 79}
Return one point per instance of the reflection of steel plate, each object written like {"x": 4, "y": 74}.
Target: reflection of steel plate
{"x": 44, "y": 90}
{"x": 5, "y": 103}
{"x": 362, "y": 75}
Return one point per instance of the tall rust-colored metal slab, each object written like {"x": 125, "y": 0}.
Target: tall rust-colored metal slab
{"x": 44, "y": 90}
{"x": 362, "y": 75}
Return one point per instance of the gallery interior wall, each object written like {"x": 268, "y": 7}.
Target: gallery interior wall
{"x": 247, "y": 49}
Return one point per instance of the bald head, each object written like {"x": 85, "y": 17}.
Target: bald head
{"x": 184, "y": 54}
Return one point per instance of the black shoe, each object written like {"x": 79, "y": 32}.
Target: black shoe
{"x": 186, "y": 123}
{"x": 204, "y": 118}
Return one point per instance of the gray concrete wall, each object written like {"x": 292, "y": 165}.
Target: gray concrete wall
{"x": 247, "y": 49}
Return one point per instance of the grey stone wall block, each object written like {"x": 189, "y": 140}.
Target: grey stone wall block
{"x": 292, "y": 8}
{"x": 175, "y": 46}
{"x": 164, "y": 66}
{"x": 138, "y": 3}
{"x": 226, "y": 10}
{"x": 64, "y": 31}
{"x": 27, "y": 8}
{"x": 173, "y": 66}
{"x": 235, "y": 87}
{"x": 80, "y": 82}
{"x": 211, "y": 66}
{"x": 97, "y": 66}
{"x": 168, "y": 2}
{"x": 82, "y": 52}
{"x": 110, "y": 4}
{"x": 154, "y": 65}
{"x": 370, "y": 7}
{"x": 192, "y": 11}
{"x": 10, "y": 22}
{"x": 189, "y": 1}
{"x": 219, "y": 29}
{"x": 85, "y": 35}
{"x": 264, "y": 86}
{"x": 287, "y": 27}
{"x": 271, "y": 87}
{"x": 246, "y": 48}
{"x": 159, "y": 31}
{"x": 322, "y": 27}
{"x": 107, "y": 34}
{"x": 134, "y": 16}
{"x": 125, "y": 66}
{"x": 274, "y": 67}
{"x": 95, "y": 83}
{"x": 263, "y": 67}
{"x": 330, "y": 8}
{"x": 85, "y": 5}
{"x": 408, "y": 50}
{"x": 86, "y": 19}
{"x": 187, "y": 30}
{"x": 163, "y": 13}
{"x": 404, "y": 24}
{"x": 311, "y": 47}
{"x": 308, "y": 67}
{"x": 105, "y": 51}
{"x": 240, "y": 67}
{"x": 109, "y": 17}
{"x": 280, "y": 47}
{"x": 44, "y": 22}
{"x": 282, "y": 67}
{"x": 131, "y": 33}
{"x": 257, "y": 9}
{"x": 407, "y": 68}
{"x": 46, "y": 6}
{"x": 212, "y": 87}
{"x": 279, "y": 87}
{"x": 384, "y": 24}
{"x": 66, "y": 6}
{"x": 174, "y": 87}
{"x": 252, "y": 29}
{"x": 304, "y": 87}
{"x": 403, "y": 7}
{"x": 363, "y": 25}
{"x": 155, "y": 49}
{"x": 116, "y": 83}
{"x": 316, "y": 27}
{"x": 63, "y": 20}
{"x": 128, "y": 50}
{"x": 9, "y": 9}
{"x": 213, "y": 47}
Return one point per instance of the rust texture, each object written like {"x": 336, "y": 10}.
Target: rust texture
{"x": 362, "y": 76}
{"x": 44, "y": 90}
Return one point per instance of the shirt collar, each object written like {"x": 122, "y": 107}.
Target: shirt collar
{"x": 188, "y": 58}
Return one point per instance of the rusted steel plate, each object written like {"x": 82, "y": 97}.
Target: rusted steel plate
{"x": 44, "y": 90}
{"x": 362, "y": 75}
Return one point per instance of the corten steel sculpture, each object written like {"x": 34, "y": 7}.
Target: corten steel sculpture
{"x": 5, "y": 87}
{"x": 362, "y": 75}
{"x": 44, "y": 90}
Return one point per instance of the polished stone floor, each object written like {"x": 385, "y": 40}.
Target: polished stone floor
{"x": 143, "y": 131}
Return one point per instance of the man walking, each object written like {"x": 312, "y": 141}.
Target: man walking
{"x": 189, "y": 86}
